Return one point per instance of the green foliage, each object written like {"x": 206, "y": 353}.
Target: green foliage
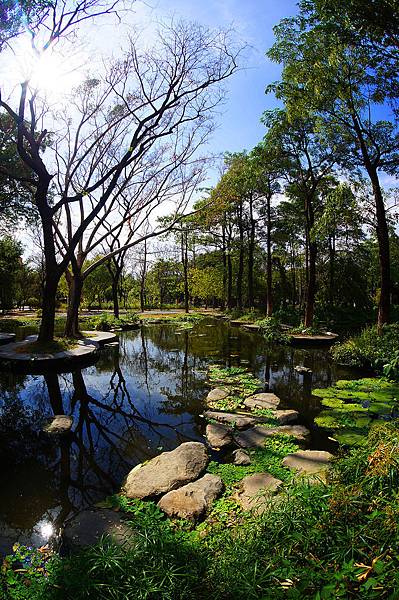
{"x": 370, "y": 349}
{"x": 263, "y": 459}
{"x": 337, "y": 540}
{"x": 391, "y": 368}
{"x": 237, "y": 381}
{"x": 272, "y": 331}
{"x": 107, "y": 321}
{"x": 10, "y": 265}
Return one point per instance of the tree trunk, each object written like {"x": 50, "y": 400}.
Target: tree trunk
{"x": 311, "y": 286}
{"x": 311, "y": 255}
{"x": 115, "y": 295}
{"x": 184, "y": 259}
{"x": 75, "y": 282}
{"x": 331, "y": 251}
{"x": 224, "y": 254}
{"x": 240, "y": 271}
{"x": 384, "y": 304}
{"x": 251, "y": 250}
{"x": 142, "y": 281}
{"x": 269, "y": 272}
{"x": 52, "y": 271}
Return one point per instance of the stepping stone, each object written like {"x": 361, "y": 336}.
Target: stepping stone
{"x": 234, "y": 420}
{"x": 219, "y": 435}
{"x": 168, "y": 471}
{"x": 255, "y": 491}
{"x": 286, "y": 417}
{"x": 58, "y": 425}
{"x": 309, "y": 462}
{"x": 217, "y": 394}
{"x": 255, "y": 437}
{"x": 241, "y": 458}
{"x": 192, "y": 500}
{"x": 263, "y": 400}
{"x": 88, "y": 526}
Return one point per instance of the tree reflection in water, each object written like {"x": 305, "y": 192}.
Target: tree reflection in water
{"x": 139, "y": 399}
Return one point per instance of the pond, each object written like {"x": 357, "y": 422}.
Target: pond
{"x": 136, "y": 401}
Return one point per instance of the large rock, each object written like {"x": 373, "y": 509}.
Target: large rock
{"x": 256, "y": 436}
{"x": 192, "y": 500}
{"x": 309, "y": 462}
{"x": 219, "y": 435}
{"x": 263, "y": 400}
{"x": 89, "y": 526}
{"x": 168, "y": 471}
{"x": 241, "y": 458}
{"x": 234, "y": 420}
{"x": 216, "y": 395}
{"x": 255, "y": 490}
{"x": 58, "y": 425}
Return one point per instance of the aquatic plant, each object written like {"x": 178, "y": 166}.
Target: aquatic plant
{"x": 353, "y": 404}
{"x": 272, "y": 331}
{"x": 371, "y": 349}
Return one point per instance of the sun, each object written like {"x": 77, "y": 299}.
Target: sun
{"x": 53, "y": 74}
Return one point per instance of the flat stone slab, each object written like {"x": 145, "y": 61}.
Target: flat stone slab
{"x": 217, "y": 394}
{"x": 241, "y": 458}
{"x": 302, "y": 339}
{"x": 286, "y": 417}
{"x": 251, "y": 327}
{"x": 255, "y": 437}
{"x": 219, "y": 435}
{"x": 263, "y": 400}
{"x": 192, "y": 500}
{"x": 6, "y": 338}
{"x": 58, "y": 425}
{"x": 255, "y": 491}
{"x": 89, "y": 526}
{"x": 303, "y": 370}
{"x": 101, "y": 337}
{"x": 168, "y": 471}
{"x": 233, "y": 419}
{"x": 310, "y": 462}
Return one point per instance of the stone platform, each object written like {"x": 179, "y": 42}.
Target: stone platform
{"x": 84, "y": 353}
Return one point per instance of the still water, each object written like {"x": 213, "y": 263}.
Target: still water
{"x": 136, "y": 401}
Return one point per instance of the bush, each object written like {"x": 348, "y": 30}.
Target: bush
{"x": 107, "y": 321}
{"x": 272, "y": 332}
{"x": 369, "y": 349}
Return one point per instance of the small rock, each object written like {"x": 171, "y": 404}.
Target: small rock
{"x": 216, "y": 395}
{"x": 219, "y": 435}
{"x": 88, "y": 526}
{"x": 256, "y": 436}
{"x": 167, "y": 471}
{"x": 263, "y": 400}
{"x": 255, "y": 491}
{"x": 59, "y": 424}
{"x": 241, "y": 458}
{"x": 232, "y": 419}
{"x": 192, "y": 500}
{"x": 310, "y": 462}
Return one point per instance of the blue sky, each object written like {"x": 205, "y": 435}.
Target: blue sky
{"x": 239, "y": 125}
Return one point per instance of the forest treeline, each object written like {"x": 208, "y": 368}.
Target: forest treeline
{"x": 303, "y": 226}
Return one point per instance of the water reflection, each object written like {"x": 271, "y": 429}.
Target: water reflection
{"x": 137, "y": 400}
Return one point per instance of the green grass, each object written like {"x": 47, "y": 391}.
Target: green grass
{"x": 323, "y": 542}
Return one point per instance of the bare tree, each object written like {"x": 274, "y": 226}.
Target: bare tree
{"x": 146, "y": 99}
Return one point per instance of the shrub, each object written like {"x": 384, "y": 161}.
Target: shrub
{"x": 107, "y": 321}
{"x": 272, "y": 332}
{"x": 369, "y": 349}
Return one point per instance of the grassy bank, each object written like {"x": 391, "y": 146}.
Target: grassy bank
{"x": 337, "y": 540}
